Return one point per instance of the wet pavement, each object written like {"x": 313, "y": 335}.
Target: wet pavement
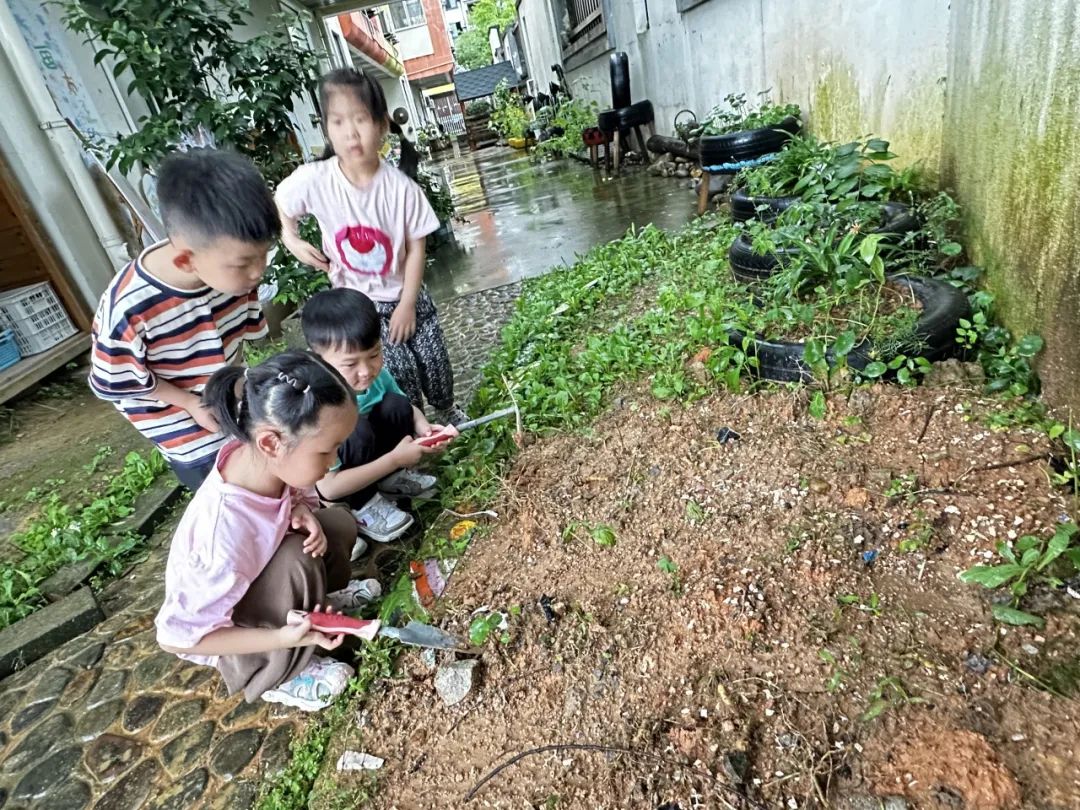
{"x": 523, "y": 218}
{"x": 109, "y": 721}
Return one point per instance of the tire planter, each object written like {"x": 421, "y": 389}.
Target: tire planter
{"x": 608, "y": 121}
{"x": 619, "y": 67}
{"x": 635, "y": 115}
{"x": 748, "y": 144}
{"x": 943, "y": 306}
{"x": 744, "y": 207}
{"x": 749, "y": 267}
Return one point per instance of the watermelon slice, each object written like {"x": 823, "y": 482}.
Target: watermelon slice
{"x": 434, "y": 439}
{"x": 334, "y": 623}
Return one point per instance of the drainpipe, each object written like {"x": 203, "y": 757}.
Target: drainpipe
{"x": 63, "y": 140}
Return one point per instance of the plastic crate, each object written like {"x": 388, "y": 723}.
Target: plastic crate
{"x": 36, "y": 316}
{"x": 9, "y": 350}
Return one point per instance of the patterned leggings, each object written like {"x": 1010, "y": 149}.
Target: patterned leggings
{"x": 420, "y": 365}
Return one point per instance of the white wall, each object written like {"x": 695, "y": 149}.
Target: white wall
{"x": 854, "y": 67}
{"x": 414, "y": 42}
{"x": 542, "y": 41}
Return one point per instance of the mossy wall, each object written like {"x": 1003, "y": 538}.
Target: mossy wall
{"x": 1012, "y": 154}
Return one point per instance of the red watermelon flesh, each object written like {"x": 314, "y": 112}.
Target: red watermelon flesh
{"x": 334, "y": 623}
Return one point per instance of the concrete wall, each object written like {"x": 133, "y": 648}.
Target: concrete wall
{"x": 985, "y": 92}
{"x": 1012, "y": 153}
{"x": 541, "y": 38}
{"x": 875, "y": 66}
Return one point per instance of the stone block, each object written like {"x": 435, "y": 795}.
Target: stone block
{"x": 42, "y": 632}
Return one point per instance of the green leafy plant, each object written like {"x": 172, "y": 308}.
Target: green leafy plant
{"x": 186, "y": 61}
{"x": 508, "y": 118}
{"x": 472, "y": 47}
{"x": 571, "y": 117}
{"x": 836, "y": 672}
{"x": 485, "y": 624}
{"x": 601, "y": 533}
{"x": 438, "y": 195}
{"x": 814, "y": 170}
{"x": 739, "y": 114}
{"x": 62, "y": 533}
{"x": 1031, "y": 560}
{"x": 668, "y": 566}
{"x": 888, "y": 693}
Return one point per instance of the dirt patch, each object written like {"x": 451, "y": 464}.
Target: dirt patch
{"x": 769, "y": 629}
{"x": 60, "y": 439}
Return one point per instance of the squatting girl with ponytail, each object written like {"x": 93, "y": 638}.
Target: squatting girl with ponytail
{"x": 253, "y": 543}
{"x": 374, "y": 221}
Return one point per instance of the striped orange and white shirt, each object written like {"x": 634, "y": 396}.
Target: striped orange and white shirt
{"x": 146, "y": 331}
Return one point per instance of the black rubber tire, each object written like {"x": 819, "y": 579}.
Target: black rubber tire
{"x": 736, "y": 147}
{"x": 744, "y": 207}
{"x": 636, "y": 115}
{"x": 935, "y": 334}
{"x": 608, "y": 121}
{"x": 899, "y": 219}
{"x": 750, "y": 267}
{"x": 619, "y": 66}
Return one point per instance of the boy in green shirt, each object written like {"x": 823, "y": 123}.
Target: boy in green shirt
{"x": 342, "y": 327}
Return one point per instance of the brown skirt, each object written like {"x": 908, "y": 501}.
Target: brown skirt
{"x": 292, "y": 580}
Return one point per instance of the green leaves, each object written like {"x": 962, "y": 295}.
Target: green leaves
{"x": 1029, "y": 345}
{"x": 874, "y": 369}
{"x": 992, "y": 576}
{"x": 1028, "y": 560}
{"x": 818, "y": 405}
{"x": 1010, "y": 615}
{"x": 186, "y": 61}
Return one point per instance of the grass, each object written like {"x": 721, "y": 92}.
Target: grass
{"x": 63, "y": 533}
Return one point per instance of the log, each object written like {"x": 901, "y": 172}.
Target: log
{"x": 676, "y": 146}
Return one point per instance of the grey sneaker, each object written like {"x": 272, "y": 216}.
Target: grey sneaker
{"x": 451, "y": 416}
{"x": 381, "y": 521}
{"x": 357, "y": 593}
{"x": 408, "y": 483}
{"x": 358, "y": 549}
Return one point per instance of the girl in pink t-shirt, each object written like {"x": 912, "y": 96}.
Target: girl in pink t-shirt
{"x": 253, "y": 543}
{"x": 374, "y": 222}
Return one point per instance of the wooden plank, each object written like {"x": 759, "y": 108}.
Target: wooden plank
{"x": 79, "y": 312}
{"x": 32, "y": 370}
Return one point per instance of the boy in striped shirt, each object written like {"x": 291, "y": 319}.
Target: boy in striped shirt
{"x": 185, "y": 307}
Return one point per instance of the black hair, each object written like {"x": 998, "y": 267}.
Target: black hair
{"x": 287, "y": 391}
{"x": 207, "y": 194}
{"x": 368, "y": 92}
{"x": 340, "y": 319}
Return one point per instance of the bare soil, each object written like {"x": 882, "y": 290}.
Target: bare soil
{"x": 744, "y": 675}
{"x": 48, "y": 443}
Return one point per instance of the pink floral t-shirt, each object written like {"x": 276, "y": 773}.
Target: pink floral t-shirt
{"x": 364, "y": 230}
{"x": 225, "y": 539}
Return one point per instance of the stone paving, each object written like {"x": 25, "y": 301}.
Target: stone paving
{"x": 109, "y": 721}
{"x": 472, "y": 325}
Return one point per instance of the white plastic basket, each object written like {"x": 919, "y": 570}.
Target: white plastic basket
{"x": 36, "y": 316}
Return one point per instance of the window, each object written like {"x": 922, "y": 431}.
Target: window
{"x": 586, "y": 21}
{"x": 407, "y": 13}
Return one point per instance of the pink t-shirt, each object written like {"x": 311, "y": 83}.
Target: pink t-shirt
{"x": 364, "y": 230}
{"x": 225, "y": 539}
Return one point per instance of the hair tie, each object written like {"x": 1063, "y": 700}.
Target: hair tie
{"x": 292, "y": 381}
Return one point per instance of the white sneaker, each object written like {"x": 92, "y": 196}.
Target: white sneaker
{"x": 408, "y": 483}
{"x": 358, "y": 550}
{"x": 315, "y": 688}
{"x": 381, "y": 520}
{"x": 357, "y": 593}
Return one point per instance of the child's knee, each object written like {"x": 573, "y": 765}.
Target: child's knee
{"x": 338, "y": 525}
